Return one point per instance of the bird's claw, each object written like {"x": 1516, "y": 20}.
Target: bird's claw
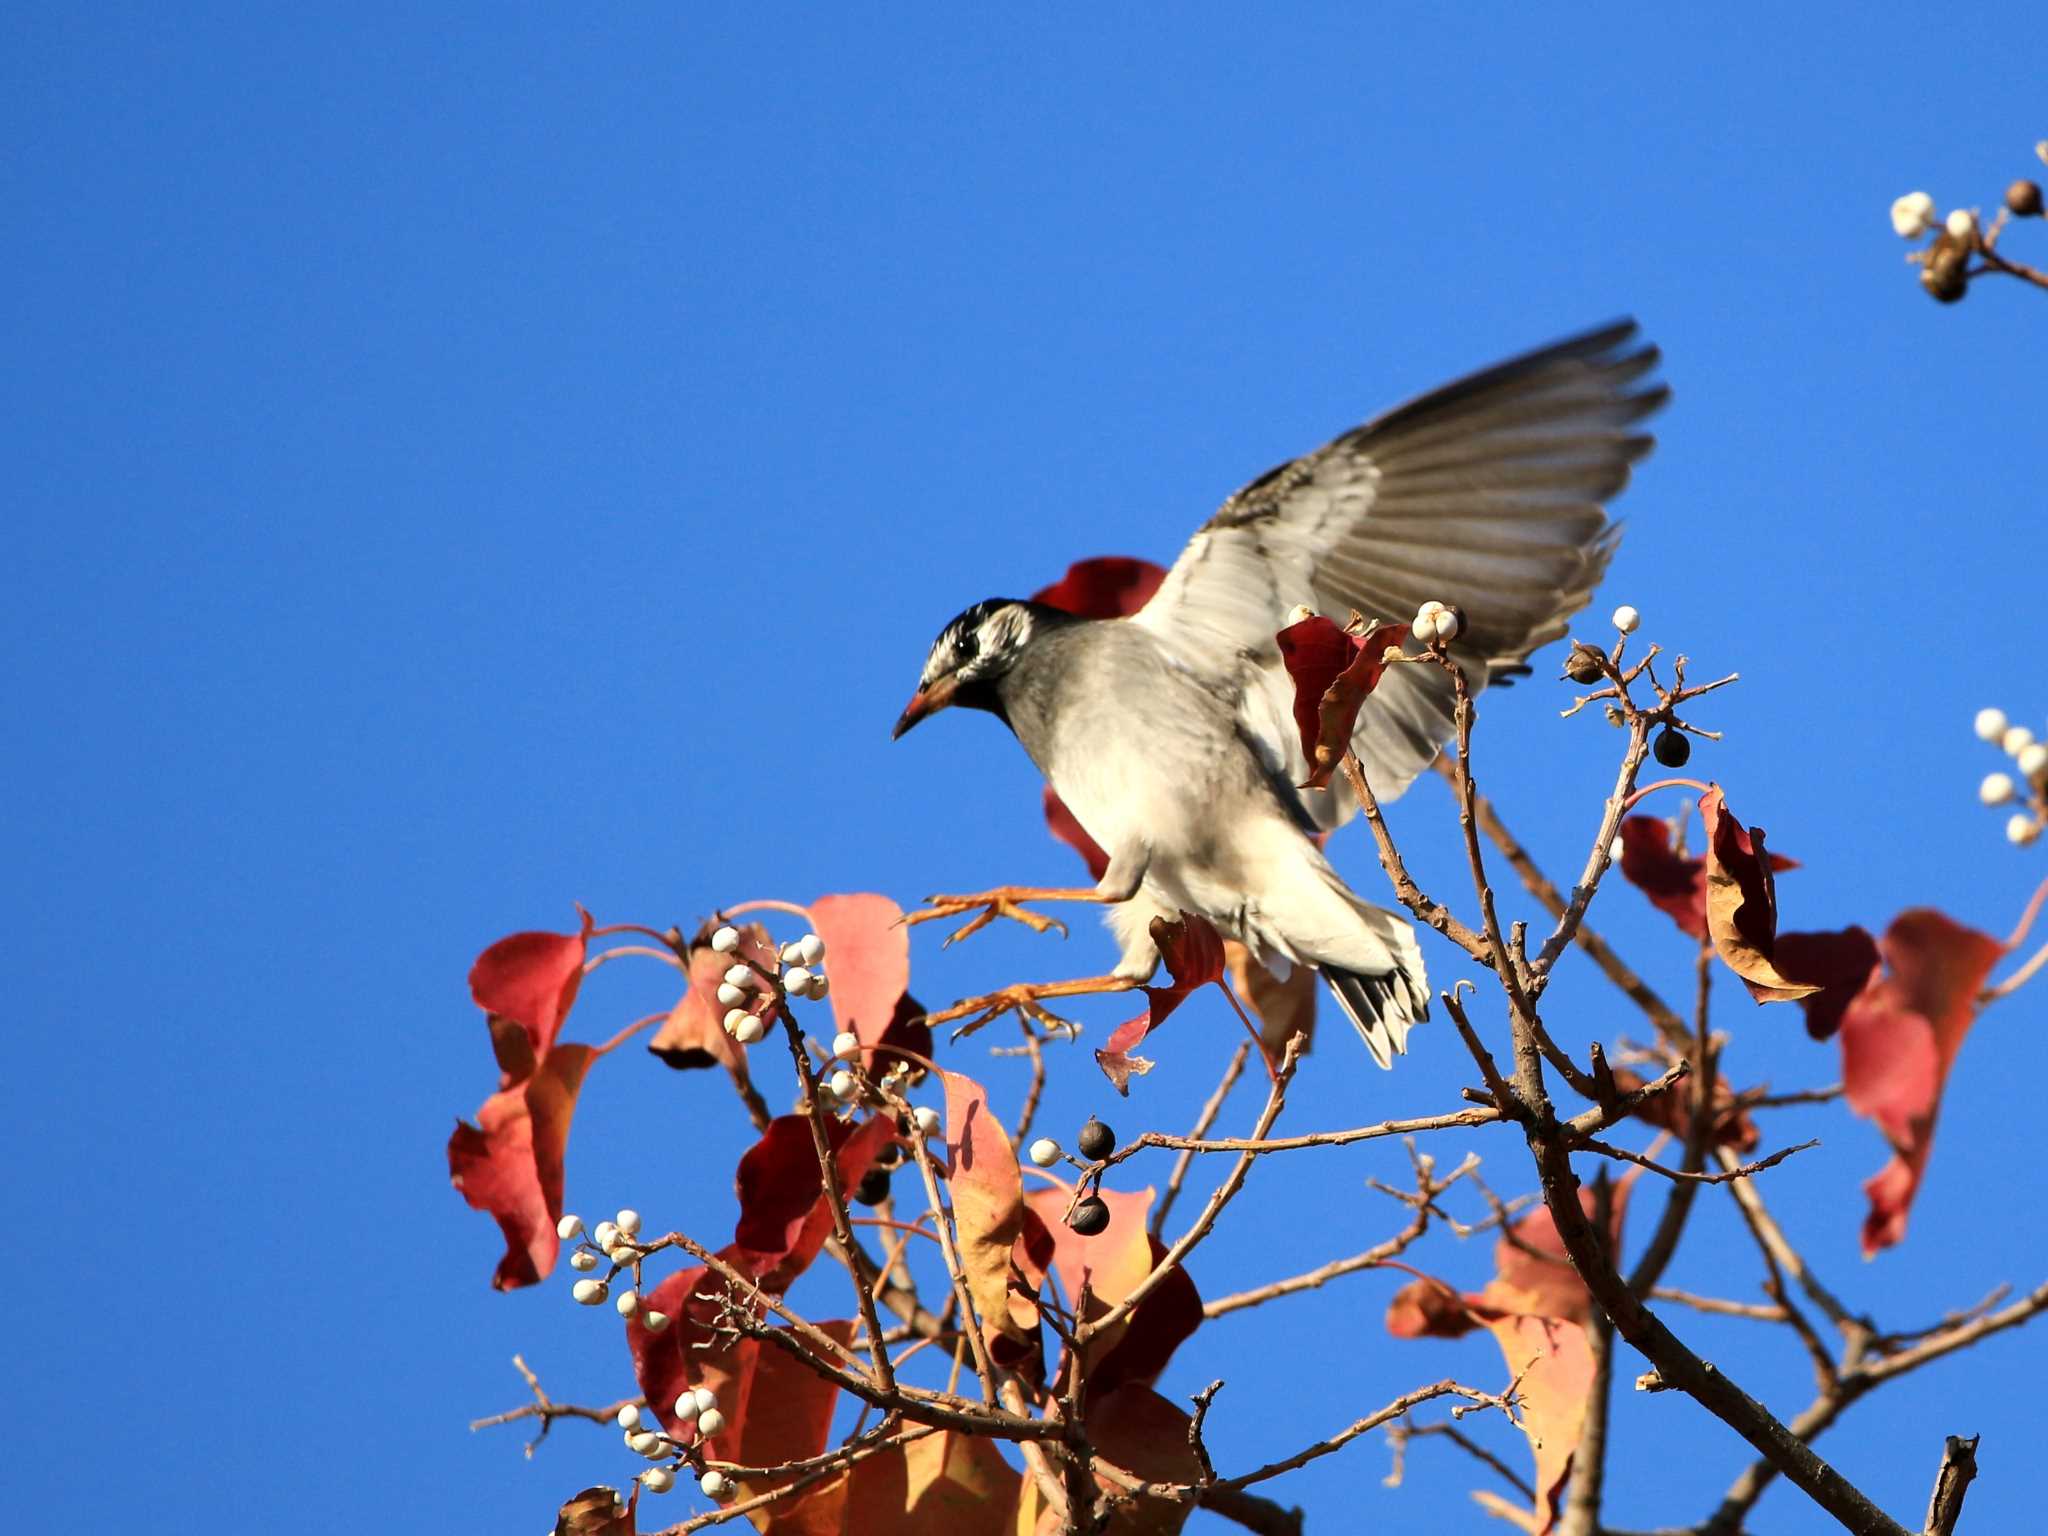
{"x": 1021, "y": 998}
{"x": 987, "y": 907}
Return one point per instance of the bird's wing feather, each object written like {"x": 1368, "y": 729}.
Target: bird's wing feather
{"x": 1488, "y": 494}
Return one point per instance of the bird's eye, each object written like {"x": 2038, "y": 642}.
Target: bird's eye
{"x": 966, "y": 644}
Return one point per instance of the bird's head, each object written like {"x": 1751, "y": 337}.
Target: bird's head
{"x": 970, "y": 656}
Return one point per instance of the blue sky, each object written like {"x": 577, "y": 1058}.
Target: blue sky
{"x": 465, "y": 465}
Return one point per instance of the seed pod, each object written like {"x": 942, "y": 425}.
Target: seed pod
{"x": 2023, "y": 199}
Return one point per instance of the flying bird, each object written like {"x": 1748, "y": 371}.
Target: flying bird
{"x": 1170, "y": 734}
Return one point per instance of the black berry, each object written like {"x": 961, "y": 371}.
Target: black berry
{"x": 2024, "y": 199}
{"x": 1672, "y": 748}
{"x": 1090, "y": 1216}
{"x": 1095, "y": 1141}
{"x": 874, "y": 1187}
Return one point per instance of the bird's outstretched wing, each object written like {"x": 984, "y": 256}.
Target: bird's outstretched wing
{"x": 1488, "y": 494}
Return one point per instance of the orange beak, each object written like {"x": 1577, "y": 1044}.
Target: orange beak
{"x": 926, "y": 701}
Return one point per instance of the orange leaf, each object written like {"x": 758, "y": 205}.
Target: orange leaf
{"x": 1112, "y": 1264}
{"x": 1532, "y": 1273}
{"x": 988, "y": 1202}
{"x": 941, "y": 1484}
{"x": 1283, "y": 1008}
{"x": 1428, "y": 1309}
{"x": 1555, "y": 1365}
{"x": 1899, "y": 1040}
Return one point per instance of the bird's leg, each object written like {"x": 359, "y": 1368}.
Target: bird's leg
{"x": 1119, "y": 883}
{"x": 1027, "y": 998}
{"x": 1001, "y": 902}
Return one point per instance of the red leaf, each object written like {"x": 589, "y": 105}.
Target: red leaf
{"x": 1107, "y": 587}
{"x": 784, "y": 1214}
{"x": 1839, "y": 963}
{"x": 867, "y": 954}
{"x": 1192, "y": 951}
{"x": 1676, "y": 886}
{"x": 692, "y": 1351}
{"x": 1742, "y": 903}
{"x": 988, "y": 1207}
{"x": 510, "y": 1162}
{"x": 1063, "y": 825}
{"x": 531, "y": 979}
{"x": 1899, "y": 1040}
{"x": 1333, "y": 672}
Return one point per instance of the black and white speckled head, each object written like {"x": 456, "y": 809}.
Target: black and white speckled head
{"x": 971, "y": 655}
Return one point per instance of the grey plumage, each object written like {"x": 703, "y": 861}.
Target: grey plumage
{"x": 1170, "y": 734}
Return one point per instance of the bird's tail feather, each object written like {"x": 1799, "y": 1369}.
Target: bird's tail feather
{"x": 1381, "y": 1008}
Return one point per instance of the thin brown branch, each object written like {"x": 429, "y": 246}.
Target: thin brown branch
{"x": 1212, "y": 1107}
{"x": 1410, "y": 895}
{"x": 1952, "y": 1481}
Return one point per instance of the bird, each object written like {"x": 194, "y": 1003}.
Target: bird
{"x": 1169, "y": 733}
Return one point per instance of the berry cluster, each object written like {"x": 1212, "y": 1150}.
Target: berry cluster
{"x": 742, "y": 994}
{"x": 1960, "y": 237}
{"x": 2030, "y": 790}
{"x": 696, "y": 1413}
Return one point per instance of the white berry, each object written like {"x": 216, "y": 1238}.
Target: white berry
{"x": 628, "y": 1303}
{"x": 1044, "y": 1152}
{"x": 716, "y": 1485}
{"x": 846, "y": 1045}
{"x": 748, "y": 1030}
{"x": 740, "y": 975}
{"x": 1961, "y": 224}
{"x": 710, "y": 1422}
{"x": 1300, "y": 613}
{"x": 628, "y": 1222}
{"x": 797, "y": 979}
{"x": 657, "y": 1479}
{"x": 1447, "y": 626}
{"x": 643, "y": 1442}
{"x": 2017, "y": 739}
{"x": 791, "y": 953}
{"x": 2033, "y": 759}
{"x": 629, "y": 1417}
{"x": 607, "y": 1233}
{"x": 1996, "y": 788}
{"x": 705, "y": 1398}
{"x": 2022, "y": 830}
{"x": 734, "y": 1017}
{"x": 569, "y": 1228}
{"x": 1912, "y": 215}
{"x": 590, "y": 1293}
{"x": 686, "y": 1406}
{"x": 819, "y": 985}
{"x": 1614, "y": 851}
{"x": 1626, "y": 619}
{"x": 1990, "y": 724}
{"x": 810, "y": 949}
{"x": 583, "y": 1258}
{"x": 726, "y": 940}
{"x": 1424, "y": 627}
{"x": 927, "y": 1120}
{"x": 843, "y": 1085}
{"x": 655, "y": 1321}
{"x": 729, "y": 995}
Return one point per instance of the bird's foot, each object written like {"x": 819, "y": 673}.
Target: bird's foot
{"x": 1026, "y": 999}
{"x": 1003, "y": 901}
